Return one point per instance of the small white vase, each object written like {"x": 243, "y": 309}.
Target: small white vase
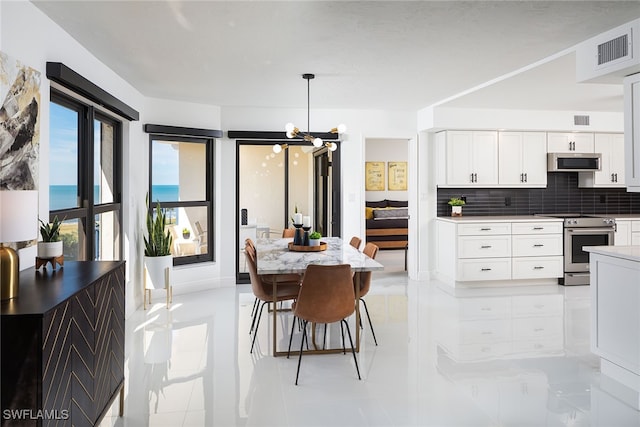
{"x": 314, "y": 242}
{"x": 50, "y": 249}
{"x": 456, "y": 210}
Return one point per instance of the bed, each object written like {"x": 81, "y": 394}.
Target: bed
{"x": 387, "y": 223}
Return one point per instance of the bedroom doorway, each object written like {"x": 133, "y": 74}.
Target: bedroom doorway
{"x": 387, "y": 201}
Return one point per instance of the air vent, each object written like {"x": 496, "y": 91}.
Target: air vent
{"x": 613, "y": 49}
{"x": 581, "y": 120}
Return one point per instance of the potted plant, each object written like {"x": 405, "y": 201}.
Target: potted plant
{"x": 51, "y": 245}
{"x": 157, "y": 248}
{"x": 186, "y": 233}
{"x": 314, "y": 239}
{"x": 456, "y": 206}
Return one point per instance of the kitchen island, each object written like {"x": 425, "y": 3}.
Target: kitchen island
{"x": 615, "y": 318}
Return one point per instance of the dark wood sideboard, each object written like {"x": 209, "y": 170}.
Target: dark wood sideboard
{"x": 62, "y": 354}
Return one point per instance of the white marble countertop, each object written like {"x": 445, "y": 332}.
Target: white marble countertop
{"x": 630, "y": 253}
{"x": 498, "y": 218}
{"x": 274, "y": 257}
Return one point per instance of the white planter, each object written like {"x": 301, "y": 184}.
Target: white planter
{"x": 314, "y": 242}
{"x": 50, "y": 249}
{"x": 456, "y": 210}
{"x": 158, "y": 270}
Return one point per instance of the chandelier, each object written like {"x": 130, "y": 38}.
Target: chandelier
{"x": 294, "y": 132}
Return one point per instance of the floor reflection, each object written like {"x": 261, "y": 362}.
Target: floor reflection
{"x": 477, "y": 357}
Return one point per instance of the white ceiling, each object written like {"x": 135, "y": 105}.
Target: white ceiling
{"x": 366, "y": 55}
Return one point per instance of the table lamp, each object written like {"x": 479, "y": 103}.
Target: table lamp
{"x": 18, "y": 223}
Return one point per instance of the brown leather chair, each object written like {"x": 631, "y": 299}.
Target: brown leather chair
{"x": 263, "y": 290}
{"x": 371, "y": 250}
{"x": 288, "y": 232}
{"x": 326, "y": 296}
{"x": 355, "y": 242}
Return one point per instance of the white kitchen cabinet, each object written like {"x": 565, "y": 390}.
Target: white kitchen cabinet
{"x": 522, "y": 159}
{"x": 635, "y": 232}
{"x": 477, "y": 251}
{"x": 627, "y": 232}
{"x": 471, "y": 158}
{"x": 611, "y": 146}
{"x": 570, "y": 142}
{"x": 622, "y": 236}
{"x": 632, "y": 131}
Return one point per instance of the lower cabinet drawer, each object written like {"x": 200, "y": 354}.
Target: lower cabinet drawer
{"x": 484, "y": 308}
{"x": 532, "y": 328}
{"x": 484, "y": 246}
{"x": 484, "y": 269}
{"x": 542, "y": 245}
{"x": 537, "y": 267}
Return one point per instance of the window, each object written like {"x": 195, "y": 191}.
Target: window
{"x": 181, "y": 180}
{"x": 84, "y": 179}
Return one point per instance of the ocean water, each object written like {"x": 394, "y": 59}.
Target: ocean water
{"x": 65, "y": 196}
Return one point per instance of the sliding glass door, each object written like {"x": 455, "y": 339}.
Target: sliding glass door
{"x": 272, "y": 187}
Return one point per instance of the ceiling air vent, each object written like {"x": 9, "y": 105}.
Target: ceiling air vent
{"x": 581, "y": 120}
{"x": 613, "y": 49}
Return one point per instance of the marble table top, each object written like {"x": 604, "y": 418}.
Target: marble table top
{"x": 274, "y": 257}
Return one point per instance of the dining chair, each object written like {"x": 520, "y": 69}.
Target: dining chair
{"x": 288, "y": 232}
{"x": 263, "y": 290}
{"x": 326, "y": 296}
{"x": 355, "y": 242}
{"x": 371, "y": 250}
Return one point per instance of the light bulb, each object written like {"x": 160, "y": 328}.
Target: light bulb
{"x": 342, "y": 128}
{"x": 289, "y": 127}
{"x": 289, "y": 135}
{"x": 317, "y": 142}
{"x": 277, "y": 148}
{"x": 332, "y": 146}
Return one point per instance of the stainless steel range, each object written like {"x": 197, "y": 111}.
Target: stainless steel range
{"x": 579, "y": 231}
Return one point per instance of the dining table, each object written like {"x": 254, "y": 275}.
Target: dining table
{"x": 275, "y": 257}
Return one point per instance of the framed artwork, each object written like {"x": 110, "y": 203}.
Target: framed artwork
{"x": 374, "y": 176}
{"x": 397, "y": 176}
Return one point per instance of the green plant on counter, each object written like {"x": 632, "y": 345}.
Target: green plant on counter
{"x": 454, "y": 201}
{"x": 315, "y": 235}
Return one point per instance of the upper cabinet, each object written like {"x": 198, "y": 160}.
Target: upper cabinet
{"x": 471, "y": 158}
{"x": 632, "y": 131}
{"x": 568, "y": 142}
{"x": 522, "y": 159}
{"x": 611, "y": 146}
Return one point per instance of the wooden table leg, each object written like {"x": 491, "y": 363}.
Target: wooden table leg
{"x": 121, "y": 411}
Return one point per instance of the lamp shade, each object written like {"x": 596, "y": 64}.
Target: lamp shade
{"x": 18, "y": 215}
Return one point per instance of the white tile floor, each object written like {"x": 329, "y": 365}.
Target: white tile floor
{"x": 486, "y": 357}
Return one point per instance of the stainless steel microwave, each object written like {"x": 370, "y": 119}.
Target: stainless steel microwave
{"x": 574, "y": 162}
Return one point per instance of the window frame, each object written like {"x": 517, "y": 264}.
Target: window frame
{"x": 208, "y": 202}
{"x": 87, "y": 210}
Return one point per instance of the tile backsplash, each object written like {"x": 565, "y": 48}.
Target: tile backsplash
{"x": 562, "y": 195}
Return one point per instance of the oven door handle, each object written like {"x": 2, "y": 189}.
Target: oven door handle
{"x": 590, "y": 230}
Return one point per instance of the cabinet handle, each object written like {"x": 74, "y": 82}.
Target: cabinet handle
{"x": 485, "y": 269}
{"x": 485, "y": 309}
{"x": 538, "y": 228}
{"x": 538, "y": 330}
{"x": 612, "y": 179}
{"x": 486, "y": 333}
{"x": 538, "y": 245}
{"x": 521, "y": 177}
{"x": 525, "y": 177}
{"x": 485, "y": 229}
{"x": 538, "y": 267}
{"x": 485, "y": 246}
{"x": 616, "y": 177}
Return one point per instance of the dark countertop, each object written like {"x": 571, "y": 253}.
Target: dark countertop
{"x": 41, "y": 290}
